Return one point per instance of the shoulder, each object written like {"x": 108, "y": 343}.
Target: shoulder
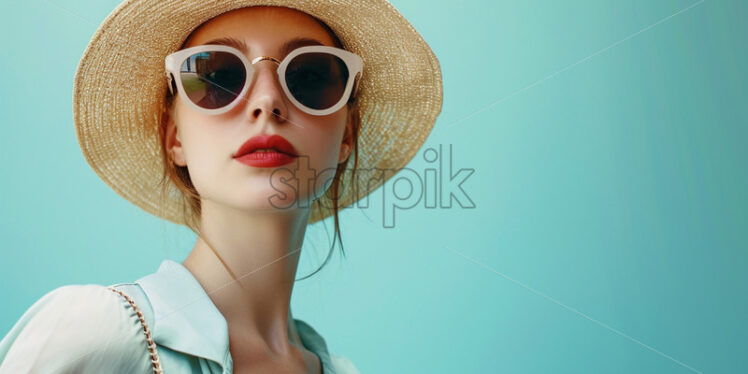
{"x": 76, "y": 328}
{"x": 316, "y": 342}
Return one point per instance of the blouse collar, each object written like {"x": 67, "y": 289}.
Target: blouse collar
{"x": 186, "y": 320}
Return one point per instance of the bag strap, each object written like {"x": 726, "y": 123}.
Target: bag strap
{"x": 151, "y": 345}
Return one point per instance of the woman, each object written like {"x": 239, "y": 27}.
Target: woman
{"x": 244, "y": 133}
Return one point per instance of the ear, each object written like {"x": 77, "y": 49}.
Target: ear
{"x": 173, "y": 142}
{"x": 346, "y": 146}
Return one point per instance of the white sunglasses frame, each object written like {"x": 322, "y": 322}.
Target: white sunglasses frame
{"x": 354, "y": 63}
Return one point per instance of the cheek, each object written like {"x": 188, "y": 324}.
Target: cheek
{"x": 323, "y": 150}
{"x": 323, "y": 146}
{"x": 201, "y": 152}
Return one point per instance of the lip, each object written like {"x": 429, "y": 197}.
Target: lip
{"x": 283, "y": 154}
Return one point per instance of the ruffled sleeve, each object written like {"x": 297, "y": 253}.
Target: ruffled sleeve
{"x": 343, "y": 365}
{"x": 76, "y": 329}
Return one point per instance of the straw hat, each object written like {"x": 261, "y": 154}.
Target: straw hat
{"x": 119, "y": 92}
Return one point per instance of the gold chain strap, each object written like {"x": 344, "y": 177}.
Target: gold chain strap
{"x": 151, "y": 345}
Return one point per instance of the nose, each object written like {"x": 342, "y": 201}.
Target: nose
{"x": 265, "y": 94}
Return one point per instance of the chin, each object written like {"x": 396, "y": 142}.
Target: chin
{"x": 267, "y": 199}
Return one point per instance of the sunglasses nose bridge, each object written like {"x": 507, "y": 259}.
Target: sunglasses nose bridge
{"x": 263, "y": 58}
{"x": 276, "y": 97}
{"x": 260, "y": 59}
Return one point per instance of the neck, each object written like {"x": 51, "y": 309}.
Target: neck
{"x": 261, "y": 249}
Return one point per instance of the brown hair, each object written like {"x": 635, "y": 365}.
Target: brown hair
{"x": 179, "y": 176}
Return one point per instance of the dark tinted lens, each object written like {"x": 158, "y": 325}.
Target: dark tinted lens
{"x": 213, "y": 79}
{"x": 317, "y": 79}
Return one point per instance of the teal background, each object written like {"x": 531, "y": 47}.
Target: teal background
{"x": 607, "y": 140}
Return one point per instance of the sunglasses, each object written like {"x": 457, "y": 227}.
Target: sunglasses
{"x": 212, "y": 79}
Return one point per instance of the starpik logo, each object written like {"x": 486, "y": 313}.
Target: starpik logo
{"x": 436, "y": 186}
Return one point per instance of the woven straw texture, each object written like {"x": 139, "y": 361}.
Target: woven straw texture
{"x": 119, "y": 92}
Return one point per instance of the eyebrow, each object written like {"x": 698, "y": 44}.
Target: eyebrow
{"x": 296, "y": 43}
{"x": 287, "y": 47}
{"x": 231, "y": 42}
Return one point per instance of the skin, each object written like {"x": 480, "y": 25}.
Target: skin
{"x": 251, "y": 234}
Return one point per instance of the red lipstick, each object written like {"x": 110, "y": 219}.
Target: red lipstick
{"x": 266, "y": 151}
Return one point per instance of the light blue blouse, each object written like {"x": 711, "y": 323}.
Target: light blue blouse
{"x": 89, "y": 329}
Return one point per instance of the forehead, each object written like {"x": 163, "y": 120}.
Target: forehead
{"x": 263, "y": 29}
